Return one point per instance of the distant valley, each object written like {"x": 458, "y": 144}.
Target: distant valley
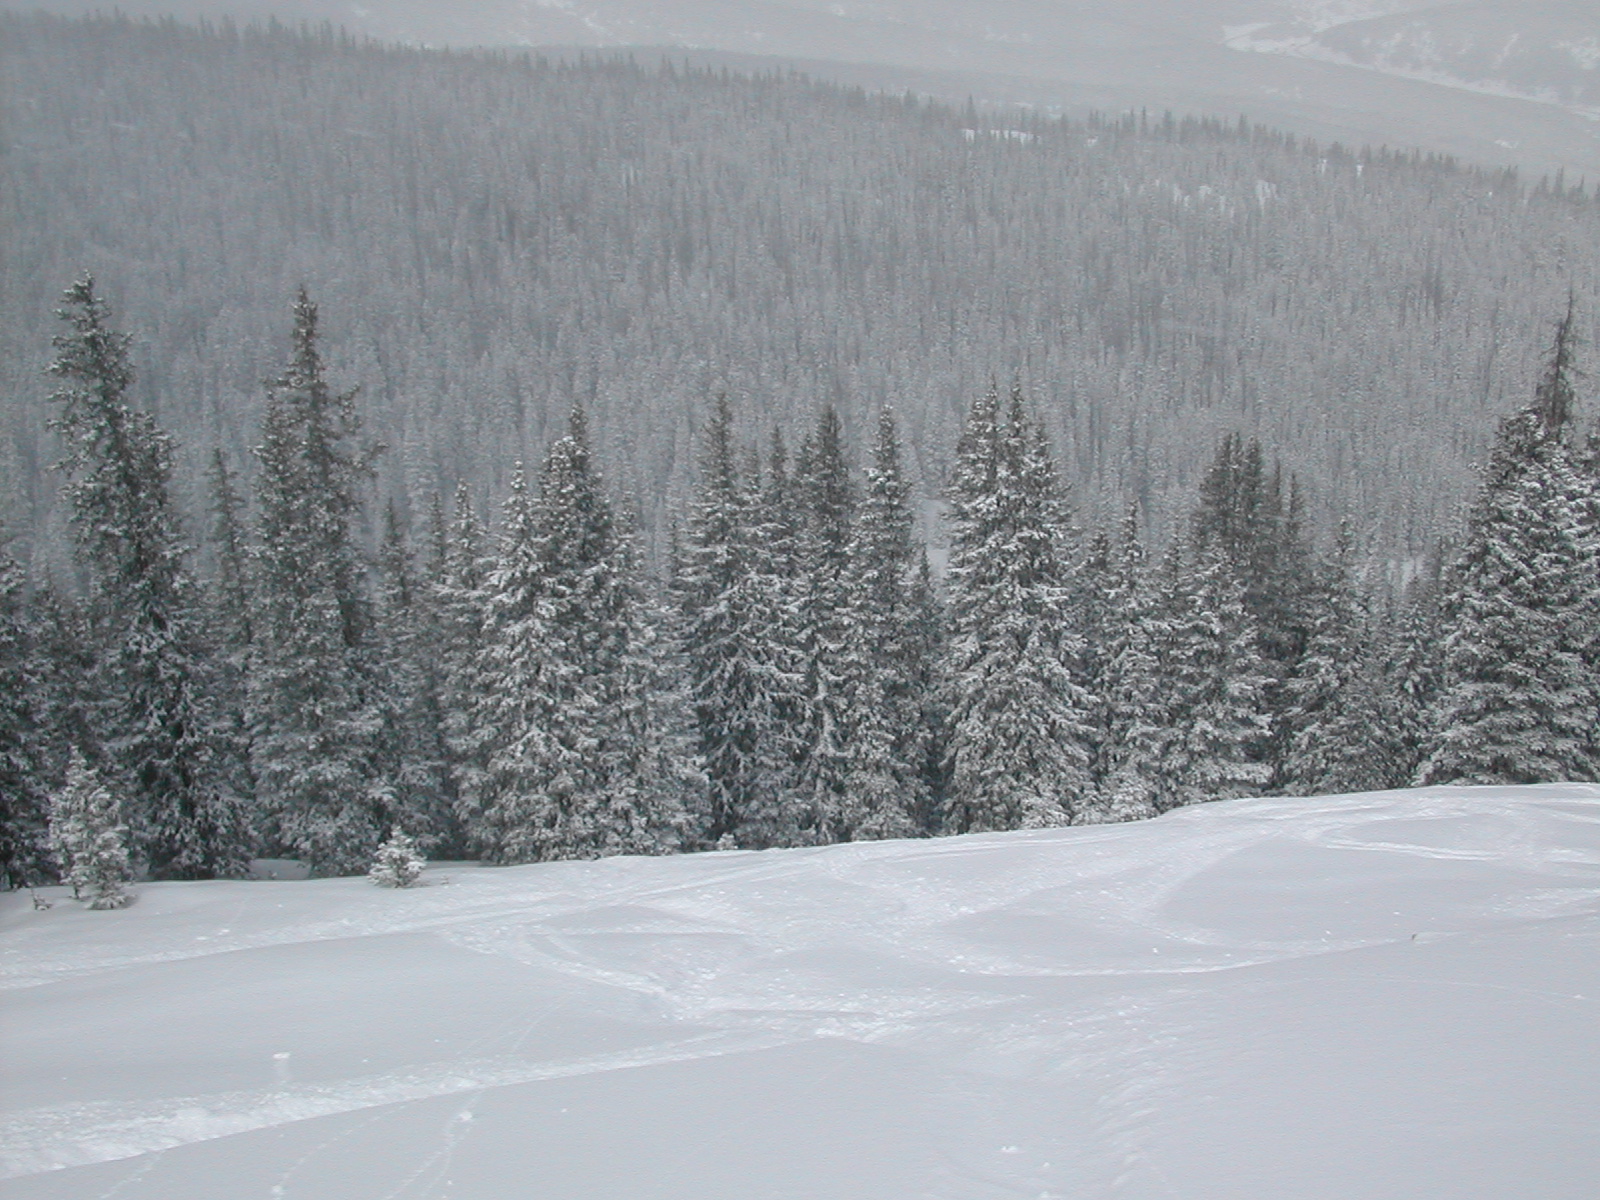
{"x": 1544, "y": 52}
{"x": 1497, "y": 83}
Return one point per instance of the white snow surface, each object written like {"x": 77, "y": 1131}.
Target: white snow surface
{"x": 1393, "y": 995}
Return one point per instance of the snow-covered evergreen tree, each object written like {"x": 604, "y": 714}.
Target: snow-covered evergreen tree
{"x": 1588, "y": 514}
{"x": 1021, "y": 719}
{"x": 155, "y": 718}
{"x": 825, "y": 500}
{"x": 883, "y": 661}
{"x": 231, "y": 598}
{"x": 1186, "y": 687}
{"x": 1518, "y": 697}
{"x": 398, "y": 862}
{"x": 1334, "y": 724}
{"x": 232, "y": 595}
{"x": 315, "y": 701}
{"x": 746, "y": 671}
{"x": 1092, "y": 611}
{"x": 24, "y": 797}
{"x": 1245, "y": 520}
{"x": 65, "y": 665}
{"x": 430, "y": 651}
{"x": 562, "y": 721}
{"x": 1215, "y": 683}
{"x": 1410, "y": 659}
{"x": 458, "y": 606}
{"x": 609, "y": 711}
{"x": 412, "y": 742}
{"x": 1135, "y": 701}
{"x": 505, "y": 702}
{"x": 928, "y": 657}
{"x": 89, "y": 838}
{"x": 656, "y": 791}
{"x": 795, "y": 766}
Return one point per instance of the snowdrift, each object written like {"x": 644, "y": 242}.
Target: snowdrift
{"x": 1387, "y": 995}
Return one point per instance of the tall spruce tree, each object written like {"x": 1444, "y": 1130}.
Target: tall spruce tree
{"x": 155, "y": 720}
{"x": 458, "y": 606}
{"x": 1021, "y": 720}
{"x": 746, "y": 670}
{"x": 705, "y": 577}
{"x": 66, "y": 662}
{"x": 565, "y": 680}
{"x": 657, "y": 799}
{"x": 232, "y": 600}
{"x": 315, "y": 697}
{"x": 1215, "y": 683}
{"x": 24, "y": 790}
{"x": 412, "y": 742}
{"x": 1336, "y": 722}
{"x": 928, "y": 656}
{"x": 499, "y": 744}
{"x": 826, "y": 503}
{"x": 1588, "y": 509}
{"x": 1135, "y": 702}
{"x": 1411, "y": 660}
{"x": 883, "y": 661}
{"x": 1247, "y": 523}
{"x": 597, "y": 621}
{"x": 1519, "y": 693}
{"x": 797, "y": 706}
{"x": 1093, "y": 612}
{"x": 430, "y": 638}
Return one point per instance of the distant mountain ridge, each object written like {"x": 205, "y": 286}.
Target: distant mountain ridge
{"x": 1547, "y": 52}
{"x": 1354, "y": 71}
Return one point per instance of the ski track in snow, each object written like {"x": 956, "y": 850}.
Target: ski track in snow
{"x": 958, "y": 949}
{"x": 477, "y": 920}
{"x": 77, "y": 1134}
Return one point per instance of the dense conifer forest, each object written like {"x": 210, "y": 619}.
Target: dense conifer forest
{"x": 495, "y": 239}
{"x": 680, "y": 461}
{"x": 527, "y": 691}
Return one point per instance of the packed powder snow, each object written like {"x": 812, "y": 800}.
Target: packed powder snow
{"x": 1351, "y": 998}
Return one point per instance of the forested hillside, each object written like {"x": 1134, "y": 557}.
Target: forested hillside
{"x": 987, "y": 469}
{"x": 494, "y": 239}
{"x": 798, "y": 678}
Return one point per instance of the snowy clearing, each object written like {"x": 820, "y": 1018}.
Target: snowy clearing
{"x": 1389, "y": 995}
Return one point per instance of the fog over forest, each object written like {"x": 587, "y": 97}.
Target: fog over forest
{"x": 492, "y": 238}
{"x": 1496, "y": 82}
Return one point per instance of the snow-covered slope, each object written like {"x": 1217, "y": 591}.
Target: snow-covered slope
{"x": 1392, "y": 995}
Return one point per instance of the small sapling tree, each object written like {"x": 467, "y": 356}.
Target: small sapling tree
{"x": 89, "y": 839}
{"x": 398, "y": 863}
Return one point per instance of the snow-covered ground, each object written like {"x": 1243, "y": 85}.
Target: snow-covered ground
{"x": 1392, "y": 995}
